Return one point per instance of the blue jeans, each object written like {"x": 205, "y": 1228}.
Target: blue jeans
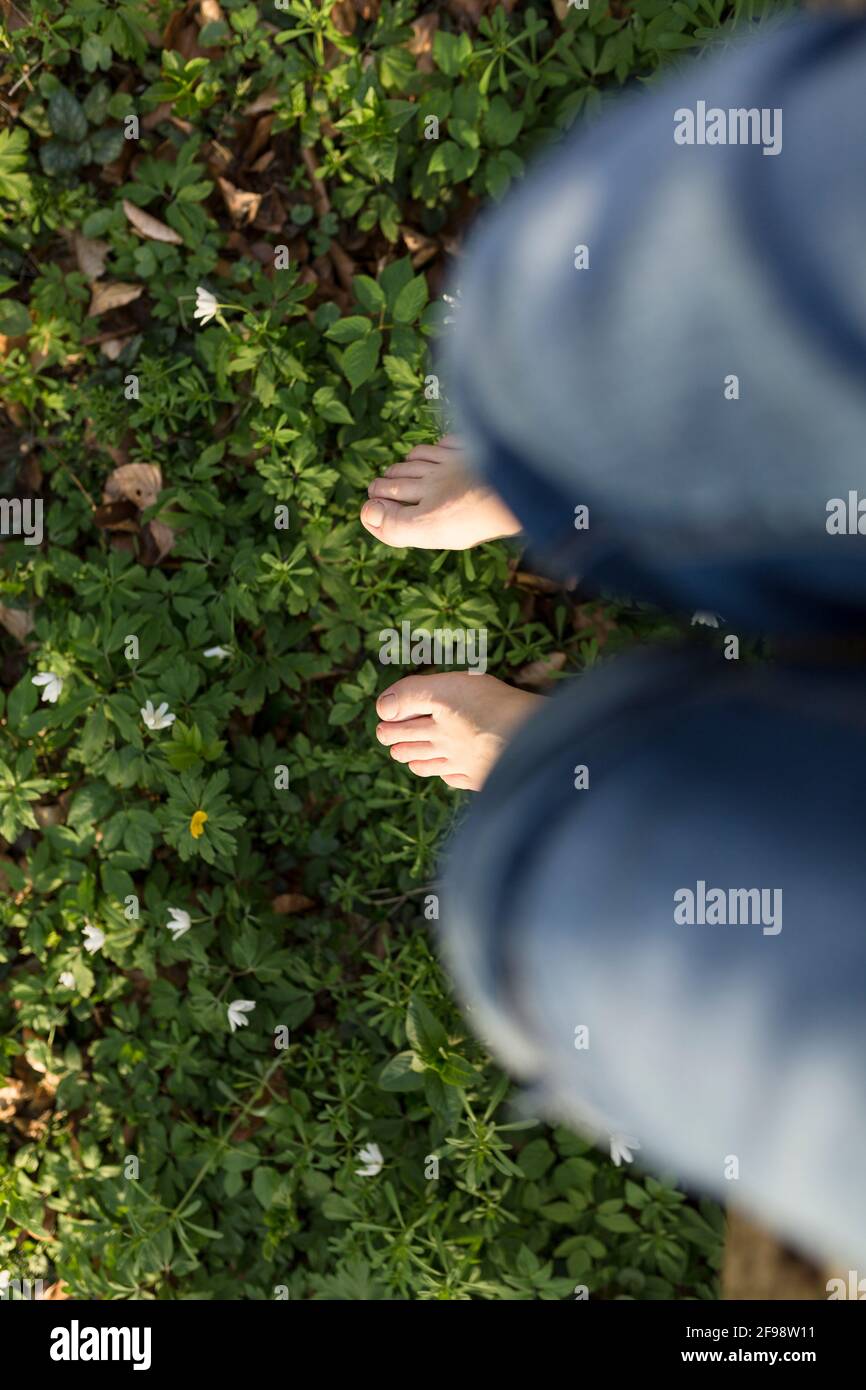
{"x": 677, "y": 950}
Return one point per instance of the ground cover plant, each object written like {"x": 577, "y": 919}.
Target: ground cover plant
{"x": 202, "y": 458}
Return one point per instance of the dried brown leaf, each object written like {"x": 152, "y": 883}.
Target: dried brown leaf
{"x": 112, "y": 348}
{"x": 150, "y": 227}
{"x": 259, "y": 138}
{"x": 538, "y": 675}
{"x": 121, "y": 515}
{"x": 18, "y": 622}
{"x": 242, "y": 206}
{"x": 157, "y": 542}
{"x": 265, "y": 101}
{"x": 90, "y": 255}
{"x": 140, "y": 483}
{"x": 112, "y": 295}
{"x": 286, "y": 903}
{"x": 264, "y": 161}
{"x": 344, "y": 17}
{"x": 55, "y": 1292}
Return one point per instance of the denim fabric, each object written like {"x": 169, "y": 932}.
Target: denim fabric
{"x": 707, "y": 1041}
{"x": 604, "y": 386}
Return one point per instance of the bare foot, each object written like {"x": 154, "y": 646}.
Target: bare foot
{"x": 451, "y": 726}
{"x": 431, "y": 501}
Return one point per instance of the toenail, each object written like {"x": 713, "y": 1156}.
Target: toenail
{"x": 374, "y": 513}
{"x": 387, "y": 706}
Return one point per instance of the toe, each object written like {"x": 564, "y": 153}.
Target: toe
{"x": 409, "y": 698}
{"x": 412, "y": 752}
{"x": 429, "y": 767}
{"x": 390, "y": 522}
{"x": 459, "y": 780}
{"x": 405, "y": 731}
{"x": 430, "y": 453}
{"x": 398, "y": 489}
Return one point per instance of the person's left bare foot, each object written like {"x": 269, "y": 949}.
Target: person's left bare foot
{"x": 452, "y": 726}
{"x": 431, "y": 500}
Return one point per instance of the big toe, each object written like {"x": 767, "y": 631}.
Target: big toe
{"x": 389, "y": 522}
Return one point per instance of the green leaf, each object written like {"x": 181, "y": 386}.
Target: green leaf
{"x": 266, "y": 1183}
{"x": 535, "y": 1159}
{"x": 451, "y": 52}
{"x": 618, "y": 1222}
{"x": 369, "y": 293}
{"x": 14, "y": 318}
{"x": 411, "y": 300}
{"x": 360, "y": 359}
{"x": 424, "y": 1030}
{"x": 399, "y": 1075}
{"x": 14, "y": 184}
{"x": 58, "y": 157}
{"x": 501, "y": 124}
{"x": 66, "y": 117}
{"x": 348, "y": 330}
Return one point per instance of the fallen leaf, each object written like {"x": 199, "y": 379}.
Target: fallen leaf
{"x": 156, "y": 116}
{"x": 112, "y": 348}
{"x": 150, "y": 227}
{"x": 470, "y": 10}
{"x": 259, "y": 138}
{"x": 55, "y": 1292}
{"x": 121, "y": 515}
{"x": 158, "y": 540}
{"x": 343, "y": 17}
{"x": 18, "y": 622}
{"x": 218, "y": 157}
{"x": 140, "y": 483}
{"x": 343, "y": 264}
{"x": 265, "y": 101}
{"x": 271, "y": 216}
{"x": 90, "y": 255}
{"x": 538, "y": 582}
{"x": 287, "y": 903}
{"x": 112, "y": 295}
{"x": 264, "y": 161}
{"x": 421, "y": 248}
{"x": 242, "y": 206}
{"x": 321, "y": 201}
{"x": 538, "y": 675}
{"x": 421, "y": 42}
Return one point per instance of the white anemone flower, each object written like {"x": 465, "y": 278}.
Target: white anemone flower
{"x": 67, "y": 980}
{"x": 371, "y": 1157}
{"x": 622, "y": 1147}
{"x": 157, "y": 718}
{"x": 216, "y": 651}
{"x": 180, "y": 922}
{"x": 53, "y": 686}
{"x": 206, "y": 305}
{"x": 237, "y": 1011}
{"x": 94, "y": 938}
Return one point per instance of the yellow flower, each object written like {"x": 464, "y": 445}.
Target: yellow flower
{"x": 196, "y": 825}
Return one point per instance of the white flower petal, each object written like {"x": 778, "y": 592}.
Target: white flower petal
{"x": 237, "y": 1011}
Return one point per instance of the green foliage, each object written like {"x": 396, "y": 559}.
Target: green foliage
{"x": 268, "y": 793}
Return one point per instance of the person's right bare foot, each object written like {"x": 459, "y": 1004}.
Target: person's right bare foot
{"x": 453, "y": 725}
{"x": 431, "y": 501}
